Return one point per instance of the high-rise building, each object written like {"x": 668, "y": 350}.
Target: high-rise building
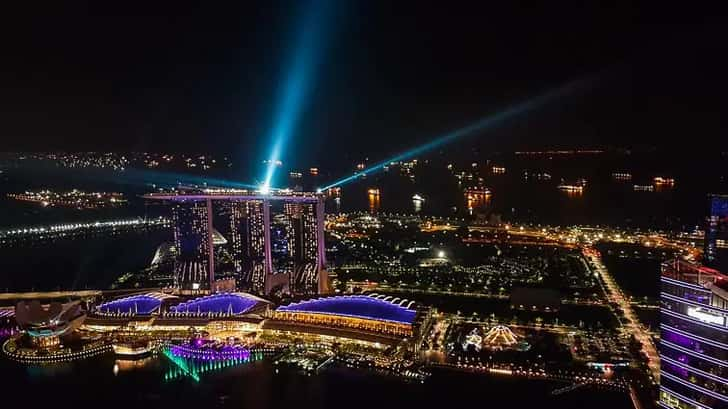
{"x": 193, "y": 244}
{"x": 250, "y": 232}
{"x": 716, "y": 233}
{"x": 304, "y": 246}
{"x": 247, "y": 227}
{"x": 694, "y": 337}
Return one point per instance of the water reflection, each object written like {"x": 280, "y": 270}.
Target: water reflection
{"x": 374, "y": 200}
{"x": 125, "y": 365}
{"x": 477, "y": 198}
{"x": 574, "y": 193}
{"x": 417, "y": 202}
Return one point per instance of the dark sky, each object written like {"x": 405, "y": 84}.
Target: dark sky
{"x": 179, "y": 77}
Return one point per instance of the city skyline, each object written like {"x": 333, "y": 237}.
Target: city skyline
{"x": 380, "y": 204}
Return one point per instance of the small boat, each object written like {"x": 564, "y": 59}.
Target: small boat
{"x": 133, "y": 349}
{"x": 571, "y": 188}
{"x": 418, "y": 198}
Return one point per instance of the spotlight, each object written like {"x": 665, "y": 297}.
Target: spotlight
{"x": 298, "y": 78}
{"x": 483, "y": 124}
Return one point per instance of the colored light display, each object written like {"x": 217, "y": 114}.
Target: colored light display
{"x": 210, "y": 354}
{"x": 228, "y": 303}
{"x": 7, "y": 332}
{"x": 182, "y": 365}
{"x": 195, "y": 368}
{"x": 692, "y": 353}
{"x": 358, "y": 306}
{"x": 688, "y": 368}
{"x": 7, "y": 313}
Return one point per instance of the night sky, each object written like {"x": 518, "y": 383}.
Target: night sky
{"x": 175, "y": 77}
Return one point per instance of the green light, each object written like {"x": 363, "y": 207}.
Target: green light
{"x": 182, "y": 365}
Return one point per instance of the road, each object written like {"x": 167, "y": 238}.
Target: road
{"x": 633, "y": 327}
{"x": 49, "y": 294}
{"x": 79, "y": 294}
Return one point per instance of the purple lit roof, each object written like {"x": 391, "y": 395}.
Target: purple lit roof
{"x": 7, "y": 313}
{"x": 142, "y": 304}
{"x": 358, "y": 306}
{"x": 235, "y": 303}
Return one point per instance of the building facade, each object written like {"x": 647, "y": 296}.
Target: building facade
{"x": 716, "y": 233}
{"x": 247, "y": 227}
{"x": 303, "y": 246}
{"x": 694, "y": 337}
{"x": 193, "y": 243}
{"x": 250, "y": 231}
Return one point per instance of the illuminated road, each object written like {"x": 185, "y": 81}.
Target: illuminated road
{"x": 50, "y": 294}
{"x": 79, "y": 294}
{"x": 374, "y": 287}
{"x": 633, "y": 327}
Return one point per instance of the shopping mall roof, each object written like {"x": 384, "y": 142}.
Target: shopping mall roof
{"x": 222, "y": 303}
{"x": 139, "y": 304}
{"x": 373, "y": 307}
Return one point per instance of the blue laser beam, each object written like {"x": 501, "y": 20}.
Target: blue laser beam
{"x": 145, "y": 177}
{"x": 482, "y": 124}
{"x": 297, "y": 83}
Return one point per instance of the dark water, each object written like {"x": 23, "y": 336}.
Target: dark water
{"x": 90, "y": 262}
{"x": 93, "y": 262}
{"x": 604, "y": 200}
{"x": 257, "y": 386}
{"x": 515, "y": 198}
{"x": 17, "y": 214}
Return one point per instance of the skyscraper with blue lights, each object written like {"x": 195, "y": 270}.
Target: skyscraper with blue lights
{"x": 694, "y": 337}
{"x": 247, "y": 226}
{"x": 716, "y": 233}
{"x": 193, "y": 269}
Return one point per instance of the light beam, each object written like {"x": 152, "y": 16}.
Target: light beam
{"x": 297, "y": 82}
{"x": 482, "y": 124}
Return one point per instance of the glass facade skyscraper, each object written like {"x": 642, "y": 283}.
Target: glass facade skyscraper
{"x": 304, "y": 246}
{"x": 192, "y": 243}
{"x": 247, "y": 227}
{"x": 694, "y": 337}
{"x": 716, "y": 233}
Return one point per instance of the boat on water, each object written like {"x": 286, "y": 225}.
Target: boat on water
{"x": 418, "y": 198}
{"x": 571, "y": 188}
{"x": 134, "y": 349}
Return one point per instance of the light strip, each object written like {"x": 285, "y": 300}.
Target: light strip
{"x": 693, "y": 353}
{"x": 289, "y": 308}
{"x": 695, "y": 370}
{"x": 683, "y": 397}
{"x": 684, "y": 284}
{"x": 694, "y": 386}
{"x": 697, "y": 304}
{"x": 693, "y": 320}
{"x": 695, "y": 337}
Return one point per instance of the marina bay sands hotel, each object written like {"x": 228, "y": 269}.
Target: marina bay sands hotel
{"x": 275, "y": 241}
